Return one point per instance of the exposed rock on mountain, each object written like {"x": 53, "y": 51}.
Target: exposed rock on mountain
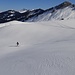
{"x": 65, "y": 10}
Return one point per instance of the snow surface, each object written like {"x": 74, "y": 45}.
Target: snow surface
{"x": 46, "y": 48}
{"x": 65, "y": 13}
{"x": 23, "y": 10}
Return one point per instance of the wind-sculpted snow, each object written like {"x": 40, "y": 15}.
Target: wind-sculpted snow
{"x": 38, "y": 63}
{"x": 45, "y": 48}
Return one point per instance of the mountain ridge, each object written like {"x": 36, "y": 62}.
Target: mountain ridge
{"x": 38, "y": 14}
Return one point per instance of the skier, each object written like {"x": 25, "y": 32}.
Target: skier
{"x": 17, "y": 43}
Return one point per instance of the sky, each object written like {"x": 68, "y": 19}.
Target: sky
{"x": 29, "y": 4}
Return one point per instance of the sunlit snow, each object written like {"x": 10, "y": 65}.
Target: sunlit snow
{"x": 46, "y": 48}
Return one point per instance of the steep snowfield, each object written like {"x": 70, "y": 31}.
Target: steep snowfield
{"x": 46, "y": 48}
{"x": 65, "y": 13}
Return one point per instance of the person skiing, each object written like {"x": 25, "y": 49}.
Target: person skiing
{"x": 17, "y": 43}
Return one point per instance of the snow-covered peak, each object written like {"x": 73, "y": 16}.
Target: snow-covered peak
{"x": 63, "y": 5}
{"x": 65, "y": 10}
{"x": 23, "y": 10}
{"x": 54, "y": 13}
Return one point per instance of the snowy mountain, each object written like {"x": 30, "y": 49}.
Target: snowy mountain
{"x": 45, "y": 48}
{"x": 22, "y": 15}
{"x": 65, "y": 10}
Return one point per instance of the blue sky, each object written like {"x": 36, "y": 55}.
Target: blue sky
{"x": 29, "y": 4}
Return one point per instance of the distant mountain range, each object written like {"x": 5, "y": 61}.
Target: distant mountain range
{"x": 65, "y": 10}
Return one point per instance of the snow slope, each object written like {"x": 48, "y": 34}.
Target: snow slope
{"x": 46, "y": 48}
{"x": 65, "y": 13}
